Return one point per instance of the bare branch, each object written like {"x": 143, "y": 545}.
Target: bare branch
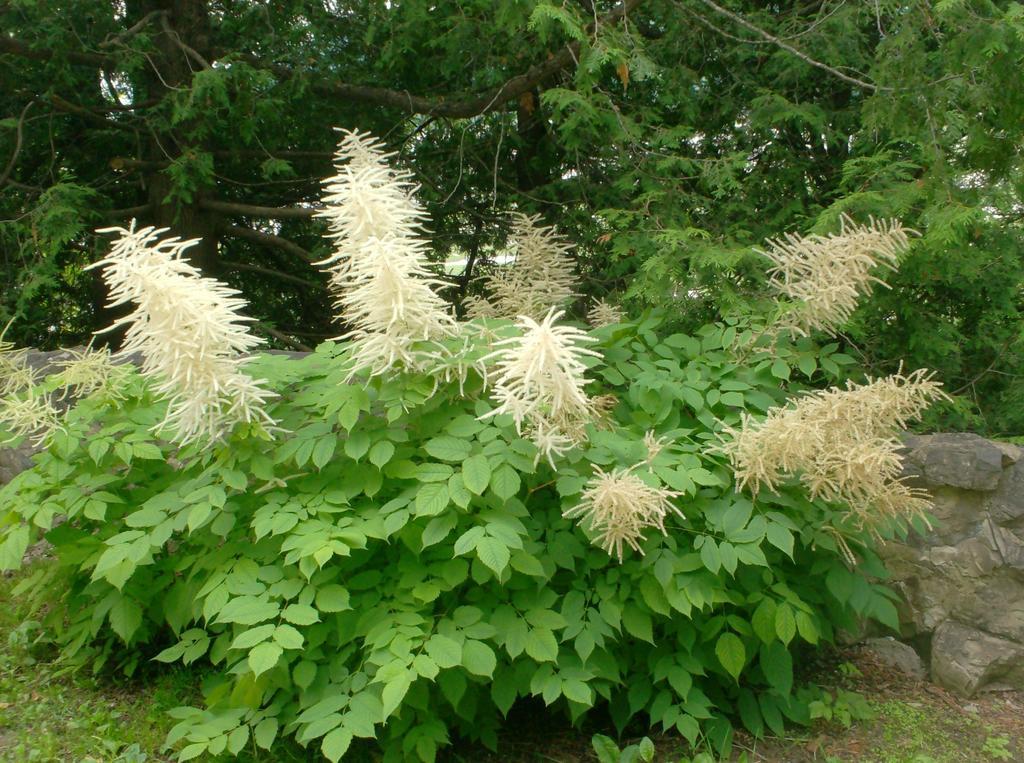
{"x": 272, "y": 273}
{"x": 251, "y": 210}
{"x": 18, "y": 136}
{"x": 24, "y": 50}
{"x": 284, "y": 338}
{"x": 188, "y": 50}
{"x": 265, "y": 239}
{"x": 87, "y": 114}
{"x": 133, "y": 30}
{"x": 127, "y": 212}
{"x": 789, "y": 48}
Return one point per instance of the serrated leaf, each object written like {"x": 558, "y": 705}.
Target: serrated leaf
{"x": 356, "y": 445}
{"x": 332, "y": 598}
{"x": 637, "y": 623}
{"x": 444, "y": 651}
{"x": 476, "y": 474}
{"x": 777, "y": 666}
{"x": 541, "y": 645}
{"x": 300, "y": 614}
{"x": 336, "y": 744}
{"x": 785, "y": 623}
{"x": 478, "y": 658}
{"x": 763, "y": 621}
{"x": 781, "y": 538}
{"x": 731, "y": 654}
{"x": 323, "y": 451}
{"x": 505, "y": 482}
{"x": 431, "y": 499}
{"x": 288, "y": 637}
{"x": 448, "y": 448}
{"x": 250, "y": 638}
{"x": 381, "y": 453}
{"x": 493, "y": 553}
{"x": 437, "y": 529}
{"x": 265, "y": 733}
{"x": 264, "y": 656}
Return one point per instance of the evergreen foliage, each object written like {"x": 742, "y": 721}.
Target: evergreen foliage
{"x": 667, "y": 137}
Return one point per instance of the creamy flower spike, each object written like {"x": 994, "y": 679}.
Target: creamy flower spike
{"x": 825, "y": 276}
{"x": 189, "y": 332}
{"x": 540, "y": 278}
{"x": 378, "y": 269}
{"x": 539, "y": 380}
{"x": 92, "y": 371}
{"x": 619, "y": 506}
{"x": 28, "y": 415}
{"x": 843, "y": 444}
{"x": 15, "y": 372}
{"x": 603, "y": 314}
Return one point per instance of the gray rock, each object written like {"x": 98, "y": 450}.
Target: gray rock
{"x": 895, "y": 653}
{"x": 961, "y": 460}
{"x": 1006, "y": 505}
{"x": 966, "y": 660}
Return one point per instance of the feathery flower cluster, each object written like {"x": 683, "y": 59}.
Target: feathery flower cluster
{"x": 843, "y": 443}
{"x": 540, "y": 380}
{"x": 92, "y": 371}
{"x": 378, "y": 269}
{"x": 15, "y": 372}
{"x": 540, "y": 278}
{"x": 825, "y": 276}
{"x": 189, "y": 332}
{"x": 30, "y": 415}
{"x": 604, "y": 314}
{"x": 619, "y": 506}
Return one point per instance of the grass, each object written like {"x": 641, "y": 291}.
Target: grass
{"x": 47, "y": 714}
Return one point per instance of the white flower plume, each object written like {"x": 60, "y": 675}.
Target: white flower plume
{"x": 541, "y": 277}
{"x": 825, "y": 276}
{"x": 189, "y": 332}
{"x": 15, "y": 372}
{"x": 378, "y": 269}
{"x": 603, "y": 314}
{"x": 30, "y": 415}
{"x": 619, "y": 506}
{"x": 540, "y": 380}
{"x": 843, "y": 444}
{"x": 92, "y": 371}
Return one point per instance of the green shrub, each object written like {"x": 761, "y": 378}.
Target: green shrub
{"x": 391, "y": 566}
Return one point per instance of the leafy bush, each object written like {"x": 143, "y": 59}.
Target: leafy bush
{"x": 378, "y": 540}
{"x": 396, "y": 568}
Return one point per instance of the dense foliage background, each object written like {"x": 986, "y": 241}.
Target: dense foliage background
{"x": 666, "y": 137}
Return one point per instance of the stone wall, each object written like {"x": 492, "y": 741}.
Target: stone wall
{"x": 963, "y": 583}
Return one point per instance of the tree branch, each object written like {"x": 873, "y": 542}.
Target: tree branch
{"x": 251, "y": 210}
{"x": 132, "y": 30}
{"x": 186, "y": 49}
{"x": 737, "y": 19}
{"x": 24, "y": 50}
{"x": 456, "y": 108}
{"x": 284, "y": 338}
{"x": 17, "y": 145}
{"x": 265, "y": 239}
{"x": 87, "y": 114}
{"x": 272, "y": 273}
